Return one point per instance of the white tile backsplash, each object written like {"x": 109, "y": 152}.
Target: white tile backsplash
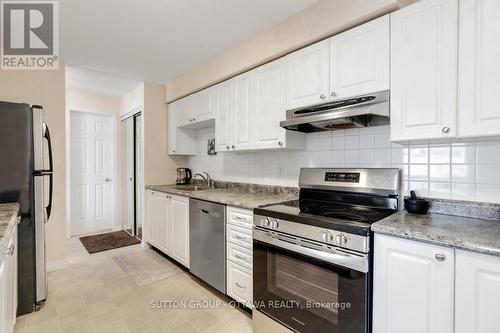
{"x": 457, "y": 170}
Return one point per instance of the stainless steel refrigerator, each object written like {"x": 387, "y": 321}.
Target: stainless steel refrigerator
{"x": 26, "y": 177}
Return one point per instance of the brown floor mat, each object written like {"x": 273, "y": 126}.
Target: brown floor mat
{"x": 108, "y": 241}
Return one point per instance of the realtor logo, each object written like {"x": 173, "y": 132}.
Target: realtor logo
{"x": 29, "y": 35}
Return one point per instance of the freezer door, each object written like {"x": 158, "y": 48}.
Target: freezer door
{"x": 41, "y": 217}
{"x": 42, "y": 146}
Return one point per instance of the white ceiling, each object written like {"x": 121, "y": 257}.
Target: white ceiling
{"x": 97, "y": 82}
{"x": 158, "y": 40}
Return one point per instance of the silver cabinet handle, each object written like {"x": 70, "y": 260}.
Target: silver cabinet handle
{"x": 8, "y": 251}
{"x": 240, "y": 257}
{"x": 233, "y": 146}
{"x": 239, "y": 218}
{"x": 280, "y": 143}
{"x": 445, "y": 129}
{"x": 240, "y": 286}
{"x": 333, "y": 94}
{"x": 440, "y": 257}
{"x": 322, "y": 96}
{"x": 239, "y": 237}
{"x": 194, "y": 119}
{"x": 107, "y": 180}
{"x": 227, "y": 147}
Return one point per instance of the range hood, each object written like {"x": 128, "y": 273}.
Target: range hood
{"x": 359, "y": 111}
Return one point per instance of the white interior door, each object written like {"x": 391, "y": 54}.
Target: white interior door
{"x": 128, "y": 204}
{"x": 92, "y": 156}
{"x": 139, "y": 176}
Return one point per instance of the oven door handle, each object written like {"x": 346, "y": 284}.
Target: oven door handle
{"x": 353, "y": 261}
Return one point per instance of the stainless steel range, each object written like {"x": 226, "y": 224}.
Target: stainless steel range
{"x": 312, "y": 257}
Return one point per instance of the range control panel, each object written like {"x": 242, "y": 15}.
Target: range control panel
{"x": 342, "y": 177}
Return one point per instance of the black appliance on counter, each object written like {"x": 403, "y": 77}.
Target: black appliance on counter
{"x": 312, "y": 258}
{"x": 184, "y": 175}
{"x": 26, "y": 177}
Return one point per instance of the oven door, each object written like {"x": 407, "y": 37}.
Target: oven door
{"x": 307, "y": 294}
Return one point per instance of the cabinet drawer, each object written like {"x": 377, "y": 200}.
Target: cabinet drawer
{"x": 239, "y": 283}
{"x": 240, "y": 255}
{"x": 240, "y": 217}
{"x": 239, "y": 236}
{"x": 160, "y": 194}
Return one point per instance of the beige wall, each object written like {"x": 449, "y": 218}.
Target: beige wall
{"x": 159, "y": 167}
{"x": 46, "y": 88}
{"x": 323, "y": 19}
{"x": 89, "y": 102}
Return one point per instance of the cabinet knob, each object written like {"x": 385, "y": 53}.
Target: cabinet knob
{"x": 227, "y": 147}
{"x": 440, "y": 257}
{"x": 280, "y": 143}
{"x": 233, "y": 146}
{"x": 322, "y": 96}
{"x": 194, "y": 119}
{"x": 333, "y": 94}
{"x": 173, "y": 151}
{"x": 445, "y": 129}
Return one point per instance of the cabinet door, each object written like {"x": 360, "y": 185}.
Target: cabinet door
{"x": 360, "y": 60}
{"x": 307, "y": 80}
{"x": 241, "y": 122}
{"x": 270, "y": 104}
{"x": 239, "y": 283}
{"x": 172, "y": 127}
{"x": 151, "y": 218}
{"x": 413, "y": 287}
{"x": 180, "y": 229}
{"x": 186, "y": 110}
{"x": 203, "y": 105}
{"x": 163, "y": 222}
{"x": 479, "y": 68}
{"x": 223, "y": 109}
{"x": 477, "y": 293}
{"x": 424, "y": 38}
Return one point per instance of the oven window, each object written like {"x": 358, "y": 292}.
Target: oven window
{"x": 309, "y": 295}
{"x": 307, "y": 283}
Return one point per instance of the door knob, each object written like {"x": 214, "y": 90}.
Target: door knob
{"x": 107, "y": 180}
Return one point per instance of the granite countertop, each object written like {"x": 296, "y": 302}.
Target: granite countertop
{"x": 228, "y": 196}
{"x": 8, "y": 219}
{"x": 472, "y": 234}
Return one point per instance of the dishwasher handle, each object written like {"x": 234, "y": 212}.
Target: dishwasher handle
{"x": 212, "y": 214}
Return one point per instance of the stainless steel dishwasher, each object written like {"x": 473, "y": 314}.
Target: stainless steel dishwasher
{"x": 207, "y": 242}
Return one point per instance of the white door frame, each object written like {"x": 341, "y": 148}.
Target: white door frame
{"x": 114, "y": 172}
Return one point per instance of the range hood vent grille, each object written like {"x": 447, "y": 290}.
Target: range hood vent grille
{"x": 361, "y": 111}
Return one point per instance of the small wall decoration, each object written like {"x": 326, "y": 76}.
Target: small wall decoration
{"x": 211, "y": 147}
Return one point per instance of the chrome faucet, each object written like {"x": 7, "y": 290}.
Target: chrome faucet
{"x": 206, "y": 179}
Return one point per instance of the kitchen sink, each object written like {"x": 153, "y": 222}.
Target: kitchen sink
{"x": 191, "y": 187}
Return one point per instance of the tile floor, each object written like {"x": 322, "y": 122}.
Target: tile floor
{"x": 93, "y": 294}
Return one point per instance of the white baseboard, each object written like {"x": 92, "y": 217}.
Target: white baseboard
{"x": 56, "y": 265}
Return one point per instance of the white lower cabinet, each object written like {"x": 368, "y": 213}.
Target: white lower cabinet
{"x": 239, "y": 283}
{"x": 179, "y": 216}
{"x": 239, "y": 255}
{"x": 8, "y": 286}
{"x": 167, "y": 228}
{"x": 413, "y": 287}
{"x": 477, "y": 293}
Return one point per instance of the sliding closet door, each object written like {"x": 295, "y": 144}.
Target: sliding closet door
{"x": 139, "y": 176}
{"x": 128, "y": 195}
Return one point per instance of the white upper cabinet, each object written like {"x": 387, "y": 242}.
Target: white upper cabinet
{"x": 307, "y": 71}
{"x": 181, "y": 141}
{"x": 413, "y": 287}
{"x": 241, "y": 123}
{"x": 477, "y": 293}
{"x": 479, "y": 68}
{"x": 360, "y": 60}
{"x": 424, "y": 52}
{"x": 223, "y": 108}
{"x": 186, "y": 109}
{"x": 204, "y": 106}
{"x": 269, "y": 104}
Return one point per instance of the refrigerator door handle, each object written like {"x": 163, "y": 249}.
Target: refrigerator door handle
{"x": 48, "y": 209}
{"x": 46, "y": 135}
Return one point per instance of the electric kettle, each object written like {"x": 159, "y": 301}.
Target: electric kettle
{"x": 183, "y": 176}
